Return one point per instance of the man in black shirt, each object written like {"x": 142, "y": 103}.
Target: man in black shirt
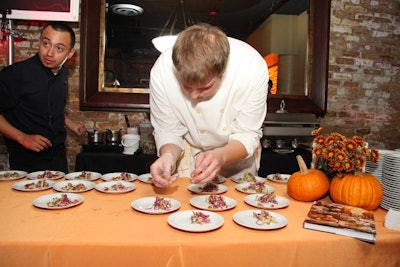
{"x": 32, "y": 104}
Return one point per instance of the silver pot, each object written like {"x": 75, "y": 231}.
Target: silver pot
{"x": 113, "y": 137}
{"x": 96, "y": 137}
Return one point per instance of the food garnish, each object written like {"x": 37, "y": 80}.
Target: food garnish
{"x": 264, "y": 217}
{"x": 199, "y": 217}
{"x": 72, "y": 187}
{"x": 267, "y": 198}
{"x": 62, "y": 201}
{"x": 124, "y": 176}
{"x": 258, "y": 187}
{"x": 209, "y": 187}
{"x": 84, "y": 175}
{"x": 37, "y": 185}
{"x": 161, "y": 204}
{"x": 48, "y": 174}
{"x": 117, "y": 187}
{"x": 279, "y": 177}
{"x": 9, "y": 175}
{"x": 216, "y": 202}
{"x": 248, "y": 177}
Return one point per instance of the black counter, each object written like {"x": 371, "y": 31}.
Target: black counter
{"x": 106, "y": 162}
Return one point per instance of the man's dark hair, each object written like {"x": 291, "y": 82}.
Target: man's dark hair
{"x": 62, "y": 27}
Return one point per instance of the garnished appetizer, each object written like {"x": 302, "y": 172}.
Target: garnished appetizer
{"x": 124, "y": 176}
{"x": 72, "y": 187}
{"x": 161, "y": 204}
{"x": 62, "y": 201}
{"x": 248, "y": 177}
{"x": 216, "y": 202}
{"x": 209, "y": 187}
{"x": 117, "y": 187}
{"x": 257, "y": 187}
{"x": 9, "y": 175}
{"x": 83, "y": 176}
{"x": 267, "y": 198}
{"x": 37, "y": 185}
{"x": 279, "y": 177}
{"x": 264, "y": 217}
{"x": 199, "y": 217}
{"x": 48, "y": 174}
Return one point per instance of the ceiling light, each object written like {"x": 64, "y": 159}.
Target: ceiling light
{"x": 164, "y": 42}
{"x": 126, "y": 9}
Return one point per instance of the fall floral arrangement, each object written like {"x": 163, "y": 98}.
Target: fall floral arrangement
{"x": 336, "y": 154}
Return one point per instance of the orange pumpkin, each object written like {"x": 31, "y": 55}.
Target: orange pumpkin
{"x": 307, "y": 184}
{"x": 360, "y": 190}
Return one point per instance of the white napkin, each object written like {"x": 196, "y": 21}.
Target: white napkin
{"x": 392, "y": 219}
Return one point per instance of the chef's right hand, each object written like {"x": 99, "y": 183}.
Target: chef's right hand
{"x": 162, "y": 170}
{"x": 35, "y": 142}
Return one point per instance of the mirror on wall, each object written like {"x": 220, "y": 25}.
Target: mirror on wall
{"x": 116, "y": 57}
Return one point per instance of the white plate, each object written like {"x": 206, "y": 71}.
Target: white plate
{"x": 284, "y": 178}
{"x": 106, "y": 187}
{"x": 60, "y": 186}
{"x": 243, "y": 187}
{"x": 182, "y": 220}
{"x": 55, "y": 175}
{"x": 146, "y": 204}
{"x": 246, "y": 218}
{"x": 116, "y": 176}
{"x": 21, "y": 186}
{"x": 14, "y": 175}
{"x": 145, "y": 178}
{"x": 252, "y": 201}
{"x": 219, "y": 179}
{"x": 42, "y": 202}
{"x": 240, "y": 179}
{"x": 76, "y": 176}
{"x": 201, "y": 202}
{"x": 198, "y": 189}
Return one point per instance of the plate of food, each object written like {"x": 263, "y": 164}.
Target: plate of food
{"x": 34, "y": 185}
{"x": 74, "y": 186}
{"x": 119, "y": 176}
{"x": 146, "y": 178}
{"x": 207, "y": 188}
{"x": 254, "y": 188}
{"x": 12, "y": 175}
{"x": 267, "y": 201}
{"x": 279, "y": 177}
{"x": 47, "y": 174}
{"x": 260, "y": 219}
{"x": 213, "y": 202}
{"x": 195, "y": 220}
{"x": 58, "y": 201}
{"x": 156, "y": 205}
{"x": 246, "y": 177}
{"x": 83, "y": 175}
{"x": 115, "y": 187}
{"x": 219, "y": 179}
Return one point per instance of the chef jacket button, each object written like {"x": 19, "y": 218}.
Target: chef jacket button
{"x": 225, "y": 129}
{"x": 198, "y": 111}
{"x": 222, "y": 110}
{"x": 202, "y": 131}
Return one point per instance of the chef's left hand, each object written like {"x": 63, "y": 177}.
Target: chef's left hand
{"x": 206, "y": 168}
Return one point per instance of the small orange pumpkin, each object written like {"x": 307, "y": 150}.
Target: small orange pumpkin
{"x": 307, "y": 184}
{"x": 360, "y": 190}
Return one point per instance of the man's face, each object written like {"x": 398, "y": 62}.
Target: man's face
{"x": 54, "y": 48}
{"x": 202, "y": 92}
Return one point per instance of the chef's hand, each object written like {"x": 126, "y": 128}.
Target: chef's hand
{"x": 162, "y": 170}
{"x": 207, "y": 166}
{"x": 35, "y": 142}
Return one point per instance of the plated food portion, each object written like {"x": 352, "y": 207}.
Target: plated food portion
{"x": 260, "y": 219}
{"x": 58, "y": 201}
{"x": 47, "y": 174}
{"x": 115, "y": 187}
{"x": 156, "y": 205}
{"x": 195, "y": 220}
{"x": 119, "y": 176}
{"x": 247, "y": 177}
{"x": 33, "y": 185}
{"x": 254, "y": 188}
{"x": 146, "y": 178}
{"x": 83, "y": 175}
{"x": 12, "y": 175}
{"x": 75, "y": 186}
{"x": 207, "y": 188}
{"x": 279, "y": 177}
{"x": 213, "y": 202}
{"x": 267, "y": 201}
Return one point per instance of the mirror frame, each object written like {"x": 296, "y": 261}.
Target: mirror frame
{"x": 93, "y": 99}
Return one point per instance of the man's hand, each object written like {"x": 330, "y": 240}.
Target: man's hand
{"x": 206, "y": 167}
{"x": 35, "y": 142}
{"x": 162, "y": 170}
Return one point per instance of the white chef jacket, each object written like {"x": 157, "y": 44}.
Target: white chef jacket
{"x": 236, "y": 112}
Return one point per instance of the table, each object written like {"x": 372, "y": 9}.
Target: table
{"x": 105, "y": 231}
{"x": 107, "y": 162}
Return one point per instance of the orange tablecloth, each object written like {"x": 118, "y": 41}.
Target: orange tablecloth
{"x": 105, "y": 231}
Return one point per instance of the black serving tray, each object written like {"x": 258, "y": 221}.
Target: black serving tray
{"x": 103, "y": 148}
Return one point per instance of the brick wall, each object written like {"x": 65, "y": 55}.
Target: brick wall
{"x": 364, "y": 76}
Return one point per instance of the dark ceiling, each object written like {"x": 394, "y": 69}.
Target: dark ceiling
{"x": 238, "y": 18}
